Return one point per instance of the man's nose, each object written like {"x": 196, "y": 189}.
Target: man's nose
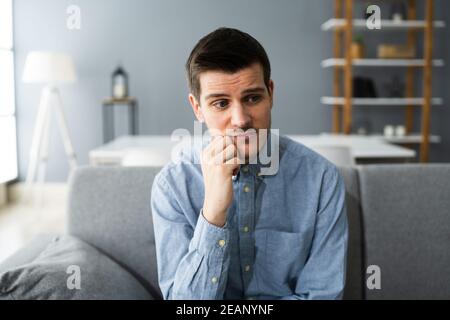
{"x": 239, "y": 116}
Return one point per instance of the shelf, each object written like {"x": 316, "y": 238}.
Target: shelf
{"x": 345, "y": 25}
{"x": 415, "y": 138}
{"x": 119, "y": 101}
{"x": 334, "y": 24}
{"x": 380, "y": 101}
{"x": 334, "y": 62}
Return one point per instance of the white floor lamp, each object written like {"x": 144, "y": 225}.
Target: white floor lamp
{"x": 51, "y": 69}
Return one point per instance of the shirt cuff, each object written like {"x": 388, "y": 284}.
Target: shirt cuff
{"x": 209, "y": 238}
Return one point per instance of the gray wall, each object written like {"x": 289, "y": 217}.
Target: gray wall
{"x": 153, "y": 39}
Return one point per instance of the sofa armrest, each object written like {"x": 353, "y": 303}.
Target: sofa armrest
{"x": 27, "y": 253}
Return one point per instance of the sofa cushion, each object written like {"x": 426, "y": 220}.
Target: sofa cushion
{"x": 69, "y": 268}
{"x": 406, "y": 224}
{"x": 28, "y": 252}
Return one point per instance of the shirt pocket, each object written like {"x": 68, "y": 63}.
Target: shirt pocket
{"x": 282, "y": 257}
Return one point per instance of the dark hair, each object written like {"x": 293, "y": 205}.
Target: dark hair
{"x": 228, "y": 50}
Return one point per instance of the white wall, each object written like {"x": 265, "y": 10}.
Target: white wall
{"x": 153, "y": 39}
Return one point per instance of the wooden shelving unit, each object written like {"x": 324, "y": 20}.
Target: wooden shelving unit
{"x": 342, "y": 101}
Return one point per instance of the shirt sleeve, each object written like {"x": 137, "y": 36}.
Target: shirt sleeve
{"x": 192, "y": 261}
{"x": 323, "y": 276}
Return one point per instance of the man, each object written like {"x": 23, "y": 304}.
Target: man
{"x": 222, "y": 229}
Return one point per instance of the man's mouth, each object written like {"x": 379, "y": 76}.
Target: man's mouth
{"x": 245, "y": 137}
{"x": 248, "y": 133}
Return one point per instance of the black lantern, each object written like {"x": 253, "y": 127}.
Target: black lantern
{"x": 119, "y": 83}
{"x": 398, "y": 11}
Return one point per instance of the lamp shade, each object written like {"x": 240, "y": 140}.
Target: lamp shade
{"x": 48, "y": 67}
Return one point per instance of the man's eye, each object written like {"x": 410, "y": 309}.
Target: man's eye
{"x": 221, "y": 104}
{"x": 253, "y": 98}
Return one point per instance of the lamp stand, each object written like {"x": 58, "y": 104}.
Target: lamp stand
{"x": 50, "y": 102}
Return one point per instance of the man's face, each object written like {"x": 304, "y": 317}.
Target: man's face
{"x": 233, "y": 103}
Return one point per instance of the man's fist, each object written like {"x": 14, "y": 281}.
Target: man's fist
{"x": 219, "y": 162}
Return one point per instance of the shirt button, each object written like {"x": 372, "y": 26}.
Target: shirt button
{"x": 245, "y": 169}
{"x": 214, "y": 280}
{"x": 246, "y": 189}
{"x": 246, "y": 229}
{"x": 247, "y": 268}
{"x": 221, "y": 243}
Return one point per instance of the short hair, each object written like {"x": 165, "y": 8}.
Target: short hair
{"x": 225, "y": 49}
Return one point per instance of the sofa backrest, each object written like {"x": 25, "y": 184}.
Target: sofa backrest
{"x": 406, "y": 227}
{"x": 109, "y": 207}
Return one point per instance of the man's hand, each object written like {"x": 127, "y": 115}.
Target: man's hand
{"x": 219, "y": 161}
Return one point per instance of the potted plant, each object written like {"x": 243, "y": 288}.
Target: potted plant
{"x": 358, "y": 48}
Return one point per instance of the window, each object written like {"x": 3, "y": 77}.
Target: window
{"x": 8, "y": 139}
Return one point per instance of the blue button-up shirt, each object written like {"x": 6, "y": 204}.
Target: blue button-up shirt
{"x": 285, "y": 235}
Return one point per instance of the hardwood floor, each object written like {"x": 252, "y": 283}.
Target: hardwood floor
{"x": 21, "y": 220}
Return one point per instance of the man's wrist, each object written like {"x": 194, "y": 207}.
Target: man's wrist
{"x": 219, "y": 220}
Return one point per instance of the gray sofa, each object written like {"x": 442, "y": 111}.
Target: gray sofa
{"x": 399, "y": 220}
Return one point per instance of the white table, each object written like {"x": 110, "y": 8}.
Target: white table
{"x": 363, "y": 147}
{"x": 156, "y": 150}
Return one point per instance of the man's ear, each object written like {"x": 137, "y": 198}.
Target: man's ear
{"x": 196, "y": 108}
